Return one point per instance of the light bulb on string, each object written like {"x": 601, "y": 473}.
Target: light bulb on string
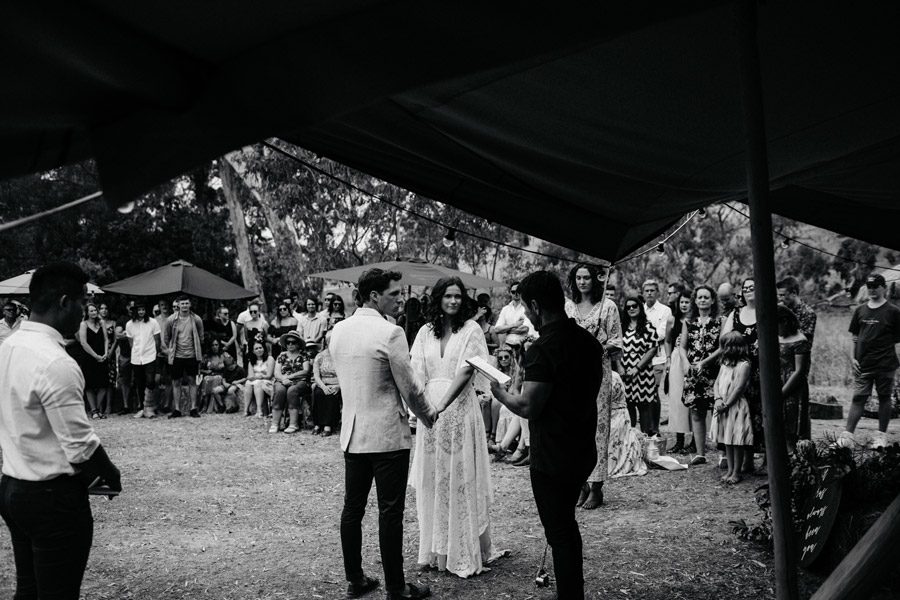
{"x": 660, "y": 248}
{"x": 701, "y": 213}
{"x": 449, "y": 238}
{"x": 126, "y": 208}
{"x": 785, "y": 244}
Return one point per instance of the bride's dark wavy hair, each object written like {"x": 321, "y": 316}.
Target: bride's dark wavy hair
{"x": 436, "y": 316}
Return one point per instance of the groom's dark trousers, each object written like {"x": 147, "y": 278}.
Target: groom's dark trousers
{"x": 389, "y": 470}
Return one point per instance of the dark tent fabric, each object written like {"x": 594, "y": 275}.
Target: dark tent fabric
{"x": 179, "y": 277}
{"x": 591, "y": 125}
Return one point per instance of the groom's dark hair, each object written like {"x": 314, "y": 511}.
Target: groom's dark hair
{"x": 544, "y": 287}
{"x": 375, "y": 280}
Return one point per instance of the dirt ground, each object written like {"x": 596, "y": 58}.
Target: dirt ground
{"x": 216, "y": 508}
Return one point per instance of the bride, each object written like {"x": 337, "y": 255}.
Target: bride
{"x": 450, "y": 470}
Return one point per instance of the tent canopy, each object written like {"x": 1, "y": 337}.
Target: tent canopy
{"x": 593, "y": 125}
{"x": 180, "y": 277}
{"x": 414, "y": 273}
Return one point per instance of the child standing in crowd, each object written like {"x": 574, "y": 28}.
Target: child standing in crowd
{"x": 732, "y": 412}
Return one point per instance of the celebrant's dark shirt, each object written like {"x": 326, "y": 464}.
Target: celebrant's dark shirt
{"x": 562, "y": 434}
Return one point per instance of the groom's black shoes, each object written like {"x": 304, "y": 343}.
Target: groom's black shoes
{"x": 355, "y": 590}
{"x": 410, "y": 592}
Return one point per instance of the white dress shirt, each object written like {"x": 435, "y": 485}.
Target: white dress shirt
{"x": 6, "y": 329}
{"x": 510, "y": 315}
{"x": 143, "y": 346}
{"x": 658, "y": 315}
{"x": 43, "y": 424}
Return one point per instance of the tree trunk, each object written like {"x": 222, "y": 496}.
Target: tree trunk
{"x": 284, "y": 233}
{"x": 246, "y": 260}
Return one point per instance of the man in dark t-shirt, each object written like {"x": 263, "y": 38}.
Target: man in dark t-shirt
{"x": 563, "y": 370}
{"x": 875, "y": 327}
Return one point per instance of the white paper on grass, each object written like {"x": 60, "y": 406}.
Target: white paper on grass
{"x": 489, "y": 371}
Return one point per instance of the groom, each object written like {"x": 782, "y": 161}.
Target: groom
{"x": 371, "y": 358}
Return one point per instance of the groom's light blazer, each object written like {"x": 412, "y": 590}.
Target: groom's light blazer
{"x": 371, "y": 358}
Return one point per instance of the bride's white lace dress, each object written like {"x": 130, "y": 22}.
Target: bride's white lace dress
{"x": 451, "y": 468}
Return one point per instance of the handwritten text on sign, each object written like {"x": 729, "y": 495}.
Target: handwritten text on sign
{"x": 818, "y": 518}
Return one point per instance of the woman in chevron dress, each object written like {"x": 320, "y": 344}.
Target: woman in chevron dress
{"x": 639, "y": 344}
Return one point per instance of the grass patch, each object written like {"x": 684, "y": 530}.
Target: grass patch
{"x": 216, "y": 508}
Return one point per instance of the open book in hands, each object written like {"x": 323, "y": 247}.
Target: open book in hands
{"x": 488, "y": 370}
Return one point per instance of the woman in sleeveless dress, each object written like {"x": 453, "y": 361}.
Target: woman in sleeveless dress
{"x": 450, "y": 470}
{"x": 671, "y": 386}
{"x": 639, "y": 344}
{"x": 743, "y": 320}
{"x": 795, "y": 352}
{"x": 700, "y": 342}
{"x": 92, "y": 360}
{"x": 600, "y": 317}
{"x": 283, "y": 322}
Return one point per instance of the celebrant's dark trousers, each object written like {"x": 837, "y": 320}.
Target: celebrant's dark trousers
{"x": 52, "y": 529}
{"x": 555, "y": 497}
{"x": 389, "y": 470}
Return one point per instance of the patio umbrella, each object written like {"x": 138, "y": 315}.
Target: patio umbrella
{"x": 414, "y": 273}
{"x": 18, "y": 285}
{"x": 180, "y": 276}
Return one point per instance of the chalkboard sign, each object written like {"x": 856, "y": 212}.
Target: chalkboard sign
{"x": 818, "y": 517}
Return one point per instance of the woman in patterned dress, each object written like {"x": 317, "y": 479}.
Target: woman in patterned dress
{"x": 291, "y": 382}
{"x": 111, "y": 363}
{"x": 451, "y": 470}
{"x": 743, "y": 320}
{"x": 600, "y": 317}
{"x": 639, "y": 345}
{"x": 701, "y": 343}
{"x": 795, "y": 351}
{"x": 626, "y": 444}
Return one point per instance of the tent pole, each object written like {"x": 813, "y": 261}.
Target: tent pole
{"x": 766, "y": 303}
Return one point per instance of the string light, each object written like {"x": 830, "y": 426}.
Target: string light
{"x": 701, "y": 213}
{"x": 660, "y": 248}
{"x": 790, "y": 240}
{"x": 449, "y": 237}
{"x": 785, "y": 244}
{"x": 126, "y": 208}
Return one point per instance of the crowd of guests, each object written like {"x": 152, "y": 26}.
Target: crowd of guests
{"x": 163, "y": 359}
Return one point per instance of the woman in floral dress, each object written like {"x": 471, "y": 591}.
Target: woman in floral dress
{"x": 701, "y": 343}
{"x": 600, "y": 317}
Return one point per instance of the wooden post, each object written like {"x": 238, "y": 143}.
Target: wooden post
{"x": 870, "y": 559}
{"x": 766, "y": 303}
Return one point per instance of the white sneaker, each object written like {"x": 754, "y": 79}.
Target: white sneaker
{"x": 846, "y": 440}
{"x": 878, "y": 441}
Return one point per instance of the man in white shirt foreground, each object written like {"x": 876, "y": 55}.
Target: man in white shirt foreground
{"x": 50, "y": 451}
{"x": 371, "y": 359}
{"x": 657, "y": 315}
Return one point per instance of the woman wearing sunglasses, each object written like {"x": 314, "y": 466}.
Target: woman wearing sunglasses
{"x": 281, "y": 323}
{"x": 743, "y": 320}
{"x": 639, "y": 346}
